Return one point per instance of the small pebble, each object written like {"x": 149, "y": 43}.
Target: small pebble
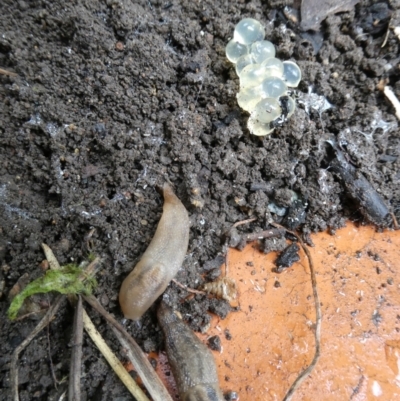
{"x": 214, "y": 343}
{"x": 44, "y": 265}
{"x": 119, "y": 46}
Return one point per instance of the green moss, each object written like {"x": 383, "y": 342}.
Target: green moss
{"x": 69, "y": 279}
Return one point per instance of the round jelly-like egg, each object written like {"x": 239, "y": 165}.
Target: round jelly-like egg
{"x": 272, "y": 87}
{"x": 234, "y": 50}
{"x": 262, "y": 50}
{"x": 243, "y": 62}
{"x": 257, "y": 128}
{"x": 288, "y": 105}
{"x": 252, "y": 75}
{"x": 267, "y": 110}
{"x": 291, "y": 73}
{"x": 274, "y": 67}
{"x": 248, "y": 98}
{"x": 248, "y": 31}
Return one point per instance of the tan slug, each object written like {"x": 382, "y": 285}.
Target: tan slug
{"x": 192, "y": 363}
{"x": 161, "y": 260}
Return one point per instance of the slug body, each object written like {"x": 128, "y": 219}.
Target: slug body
{"x": 192, "y": 363}
{"x": 161, "y": 260}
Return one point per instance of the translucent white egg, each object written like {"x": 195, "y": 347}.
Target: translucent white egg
{"x": 262, "y": 50}
{"x": 252, "y": 75}
{"x": 248, "y": 31}
{"x": 235, "y": 50}
{"x": 264, "y": 79}
{"x": 272, "y": 87}
{"x": 248, "y": 98}
{"x": 257, "y": 128}
{"x": 267, "y": 110}
{"x": 274, "y": 67}
{"x": 291, "y": 73}
{"x": 243, "y": 62}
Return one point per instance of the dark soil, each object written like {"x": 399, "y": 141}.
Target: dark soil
{"x": 112, "y": 98}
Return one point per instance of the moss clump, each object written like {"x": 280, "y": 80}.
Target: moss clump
{"x": 69, "y": 279}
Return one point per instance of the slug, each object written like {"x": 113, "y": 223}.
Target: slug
{"x": 161, "y": 260}
{"x": 192, "y": 363}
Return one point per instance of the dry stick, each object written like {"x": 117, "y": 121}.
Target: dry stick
{"x": 42, "y": 324}
{"x": 226, "y": 263}
{"x": 240, "y": 223}
{"x": 9, "y": 73}
{"x": 143, "y": 367}
{"x": 387, "y": 90}
{"x": 318, "y": 319}
{"x": 275, "y": 232}
{"x": 53, "y": 373}
{"x": 395, "y": 224}
{"x": 114, "y": 362}
{"x": 26, "y": 315}
{"x": 187, "y": 288}
{"x": 75, "y": 368}
{"x": 397, "y": 31}
{"x": 90, "y": 269}
{"x": 387, "y": 34}
{"x": 129, "y": 352}
{"x": 386, "y": 38}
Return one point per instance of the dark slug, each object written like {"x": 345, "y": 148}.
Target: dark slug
{"x": 161, "y": 260}
{"x": 192, "y": 363}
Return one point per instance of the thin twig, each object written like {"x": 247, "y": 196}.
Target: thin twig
{"x": 143, "y": 367}
{"x": 187, "y": 288}
{"x": 41, "y": 325}
{"x": 75, "y": 368}
{"x": 92, "y": 267}
{"x": 273, "y": 233}
{"x": 28, "y": 314}
{"x": 397, "y": 31}
{"x": 86, "y": 245}
{"x": 9, "y": 73}
{"x": 318, "y": 320}
{"x": 53, "y": 373}
{"x": 114, "y": 362}
{"x": 387, "y": 90}
{"x": 395, "y": 224}
{"x": 387, "y": 34}
{"x": 127, "y": 349}
{"x": 226, "y": 264}
{"x": 240, "y": 223}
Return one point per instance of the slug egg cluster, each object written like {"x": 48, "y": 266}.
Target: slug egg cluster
{"x": 264, "y": 79}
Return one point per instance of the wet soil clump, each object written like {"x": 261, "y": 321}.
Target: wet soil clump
{"x": 112, "y": 98}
